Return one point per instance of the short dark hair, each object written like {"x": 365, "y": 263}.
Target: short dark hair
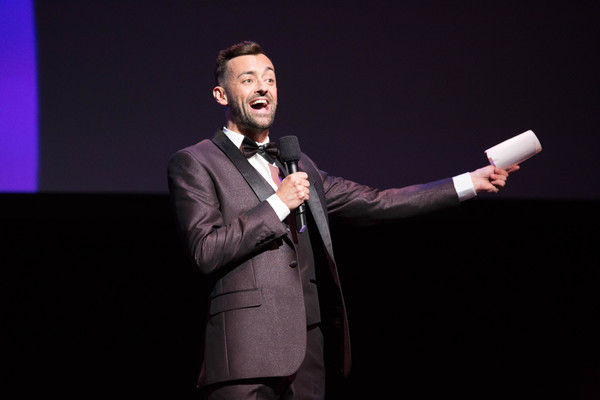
{"x": 244, "y": 48}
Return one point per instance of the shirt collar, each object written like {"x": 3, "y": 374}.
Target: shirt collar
{"x": 238, "y": 138}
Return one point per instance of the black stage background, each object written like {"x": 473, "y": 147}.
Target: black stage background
{"x": 99, "y": 299}
{"x": 426, "y": 86}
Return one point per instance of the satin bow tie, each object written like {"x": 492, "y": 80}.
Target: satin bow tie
{"x": 268, "y": 151}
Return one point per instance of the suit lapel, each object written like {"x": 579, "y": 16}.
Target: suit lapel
{"x": 261, "y": 188}
{"x": 316, "y": 206}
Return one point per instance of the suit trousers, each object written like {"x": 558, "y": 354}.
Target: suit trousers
{"x": 308, "y": 383}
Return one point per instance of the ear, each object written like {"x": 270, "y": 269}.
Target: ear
{"x": 220, "y": 95}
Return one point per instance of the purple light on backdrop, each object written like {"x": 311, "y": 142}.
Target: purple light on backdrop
{"x": 18, "y": 97}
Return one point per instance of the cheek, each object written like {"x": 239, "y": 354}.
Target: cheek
{"x": 236, "y": 93}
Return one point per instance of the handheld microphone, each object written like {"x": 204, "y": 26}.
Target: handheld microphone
{"x": 289, "y": 152}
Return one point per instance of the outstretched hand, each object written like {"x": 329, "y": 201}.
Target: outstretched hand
{"x": 491, "y": 179}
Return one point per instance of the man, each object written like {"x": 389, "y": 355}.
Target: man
{"x": 275, "y": 309}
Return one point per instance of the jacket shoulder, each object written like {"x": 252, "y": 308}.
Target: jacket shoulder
{"x": 199, "y": 151}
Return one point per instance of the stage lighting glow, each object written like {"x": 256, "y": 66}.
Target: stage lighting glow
{"x": 18, "y": 97}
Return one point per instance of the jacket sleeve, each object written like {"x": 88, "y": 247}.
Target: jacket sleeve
{"x": 199, "y": 202}
{"x": 364, "y": 205}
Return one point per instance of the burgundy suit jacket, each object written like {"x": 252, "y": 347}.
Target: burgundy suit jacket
{"x": 255, "y": 324}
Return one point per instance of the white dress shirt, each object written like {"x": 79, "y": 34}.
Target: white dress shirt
{"x": 262, "y": 166}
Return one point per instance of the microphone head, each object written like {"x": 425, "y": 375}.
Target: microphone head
{"x": 289, "y": 149}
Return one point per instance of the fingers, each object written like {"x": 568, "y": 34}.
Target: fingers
{"x": 498, "y": 180}
{"x": 499, "y": 171}
{"x": 506, "y": 171}
{"x": 491, "y": 178}
{"x": 299, "y": 181}
{"x": 294, "y": 189}
{"x": 499, "y": 176}
{"x": 497, "y": 185}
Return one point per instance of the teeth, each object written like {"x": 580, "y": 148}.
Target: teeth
{"x": 259, "y": 101}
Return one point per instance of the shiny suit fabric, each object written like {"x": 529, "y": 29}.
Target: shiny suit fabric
{"x": 256, "y": 312}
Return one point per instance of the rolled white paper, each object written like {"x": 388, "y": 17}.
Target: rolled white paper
{"x": 514, "y": 150}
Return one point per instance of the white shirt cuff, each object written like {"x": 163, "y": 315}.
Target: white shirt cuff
{"x": 278, "y": 206}
{"x": 464, "y": 186}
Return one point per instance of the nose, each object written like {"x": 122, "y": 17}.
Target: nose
{"x": 261, "y": 87}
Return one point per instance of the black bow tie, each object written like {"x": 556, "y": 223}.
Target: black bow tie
{"x": 268, "y": 151}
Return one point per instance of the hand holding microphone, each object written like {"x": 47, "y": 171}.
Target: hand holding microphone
{"x": 294, "y": 189}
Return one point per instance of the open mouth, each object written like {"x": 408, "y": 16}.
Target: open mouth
{"x": 259, "y": 104}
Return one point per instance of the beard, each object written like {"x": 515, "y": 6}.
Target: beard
{"x": 241, "y": 113}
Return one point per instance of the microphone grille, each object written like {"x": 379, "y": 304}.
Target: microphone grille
{"x": 289, "y": 148}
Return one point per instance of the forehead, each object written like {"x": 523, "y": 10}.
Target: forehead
{"x": 256, "y": 64}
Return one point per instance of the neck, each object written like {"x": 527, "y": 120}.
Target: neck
{"x": 258, "y": 135}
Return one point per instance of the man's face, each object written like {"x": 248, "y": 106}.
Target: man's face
{"x": 251, "y": 93}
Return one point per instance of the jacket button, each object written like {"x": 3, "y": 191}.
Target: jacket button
{"x": 294, "y": 264}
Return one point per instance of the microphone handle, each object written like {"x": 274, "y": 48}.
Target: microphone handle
{"x": 300, "y": 212}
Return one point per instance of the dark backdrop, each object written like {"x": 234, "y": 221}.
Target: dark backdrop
{"x": 424, "y": 86}
{"x": 98, "y": 301}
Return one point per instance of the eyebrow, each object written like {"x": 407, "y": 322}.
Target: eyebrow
{"x": 252, "y": 72}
